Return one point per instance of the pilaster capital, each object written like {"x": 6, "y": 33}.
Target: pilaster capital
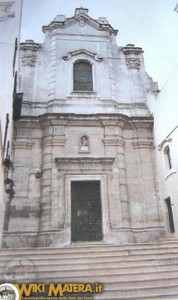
{"x": 23, "y": 144}
{"x": 143, "y": 144}
{"x": 29, "y": 49}
{"x": 133, "y": 63}
{"x": 133, "y": 56}
{"x": 131, "y": 50}
{"x": 113, "y": 141}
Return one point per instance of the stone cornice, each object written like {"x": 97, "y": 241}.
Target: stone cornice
{"x": 80, "y": 18}
{"x": 130, "y": 50}
{"x": 60, "y": 119}
{"x": 30, "y": 45}
{"x": 64, "y": 160}
{"x": 142, "y": 123}
{"x": 113, "y": 141}
{"x": 142, "y": 144}
{"x": 84, "y": 163}
{"x": 58, "y": 141}
{"x": 102, "y": 106}
{"x": 22, "y": 144}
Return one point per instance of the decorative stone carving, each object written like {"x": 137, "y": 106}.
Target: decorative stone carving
{"x": 130, "y": 49}
{"x": 28, "y": 60}
{"x": 60, "y": 18}
{"x": 82, "y": 22}
{"x": 132, "y": 56}
{"x": 82, "y": 52}
{"x": 133, "y": 63}
{"x": 81, "y": 10}
{"x": 103, "y": 20}
{"x": 5, "y": 12}
{"x": 29, "y": 50}
{"x": 23, "y": 133}
{"x": 143, "y": 144}
{"x": 84, "y": 143}
{"x": 142, "y": 132}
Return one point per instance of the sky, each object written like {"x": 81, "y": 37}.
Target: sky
{"x": 150, "y": 24}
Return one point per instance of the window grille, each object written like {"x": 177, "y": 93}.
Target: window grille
{"x": 83, "y": 76}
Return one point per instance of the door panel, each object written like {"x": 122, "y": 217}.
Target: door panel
{"x": 86, "y": 216}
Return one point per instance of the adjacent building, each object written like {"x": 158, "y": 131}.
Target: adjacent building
{"x": 165, "y": 110}
{"x": 163, "y": 106}
{"x": 10, "y": 18}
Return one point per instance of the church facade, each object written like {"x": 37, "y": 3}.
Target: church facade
{"x": 83, "y": 150}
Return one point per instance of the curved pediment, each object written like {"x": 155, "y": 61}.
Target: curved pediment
{"x": 82, "y": 52}
{"x": 81, "y": 16}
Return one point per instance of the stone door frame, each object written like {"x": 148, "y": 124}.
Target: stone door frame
{"x": 103, "y": 193}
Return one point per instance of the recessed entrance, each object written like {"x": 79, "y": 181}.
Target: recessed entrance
{"x": 86, "y": 215}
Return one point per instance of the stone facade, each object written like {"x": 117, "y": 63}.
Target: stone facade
{"x": 68, "y": 135}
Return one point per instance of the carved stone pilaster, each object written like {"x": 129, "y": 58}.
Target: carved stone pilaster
{"x": 46, "y": 183}
{"x": 114, "y": 145}
{"x": 131, "y": 50}
{"x": 133, "y": 63}
{"x": 29, "y": 51}
{"x": 52, "y": 67}
{"x": 132, "y": 55}
{"x": 123, "y": 189}
{"x": 143, "y": 148}
{"x": 142, "y": 143}
{"x": 57, "y": 221}
{"x": 111, "y": 72}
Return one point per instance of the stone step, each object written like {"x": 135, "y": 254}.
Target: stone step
{"x": 167, "y": 293}
{"x": 142, "y": 249}
{"x": 51, "y": 259}
{"x": 139, "y": 283}
{"x": 149, "y": 292}
{"x": 83, "y": 264}
{"x": 134, "y": 248}
{"x": 150, "y": 264}
{"x": 133, "y": 272}
{"x": 103, "y": 275}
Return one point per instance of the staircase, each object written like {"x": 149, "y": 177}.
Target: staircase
{"x": 135, "y": 271}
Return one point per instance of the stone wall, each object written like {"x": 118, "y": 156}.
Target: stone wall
{"x": 48, "y": 155}
{"x": 67, "y": 135}
{"x": 120, "y": 83}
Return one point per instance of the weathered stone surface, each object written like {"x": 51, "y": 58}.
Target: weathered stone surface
{"x": 64, "y": 136}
